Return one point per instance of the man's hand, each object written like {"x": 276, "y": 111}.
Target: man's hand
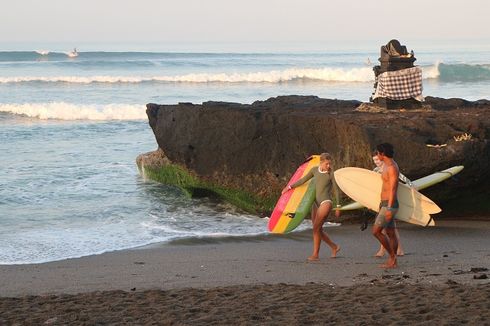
{"x": 388, "y": 215}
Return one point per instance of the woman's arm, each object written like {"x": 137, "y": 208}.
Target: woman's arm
{"x": 336, "y": 193}
{"x": 305, "y": 178}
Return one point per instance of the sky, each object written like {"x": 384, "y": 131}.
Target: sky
{"x": 269, "y": 22}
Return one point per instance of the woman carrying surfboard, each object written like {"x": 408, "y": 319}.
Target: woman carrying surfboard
{"x": 322, "y": 176}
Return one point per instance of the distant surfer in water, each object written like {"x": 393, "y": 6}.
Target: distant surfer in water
{"x": 389, "y": 204}
{"x": 324, "y": 183}
{"x": 379, "y": 168}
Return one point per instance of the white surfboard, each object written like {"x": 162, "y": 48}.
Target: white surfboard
{"x": 418, "y": 184}
{"x": 364, "y": 186}
{"x": 437, "y": 177}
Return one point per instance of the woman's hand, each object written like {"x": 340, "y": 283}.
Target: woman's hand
{"x": 286, "y": 189}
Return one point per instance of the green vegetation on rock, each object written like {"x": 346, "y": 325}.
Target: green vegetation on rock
{"x": 175, "y": 175}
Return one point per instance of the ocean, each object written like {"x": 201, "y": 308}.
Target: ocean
{"x": 71, "y": 128}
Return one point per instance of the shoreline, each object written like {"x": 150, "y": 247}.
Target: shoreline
{"x": 433, "y": 256}
{"x": 263, "y": 281}
{"x": 345, "y": 220}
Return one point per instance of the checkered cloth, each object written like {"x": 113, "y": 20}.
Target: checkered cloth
{"x": 400, "y": 85}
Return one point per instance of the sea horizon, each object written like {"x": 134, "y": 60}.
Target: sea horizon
{"x": 197, "y": 46}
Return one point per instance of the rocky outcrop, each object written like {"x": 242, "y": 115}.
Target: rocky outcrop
{"x": 255, "y": 148}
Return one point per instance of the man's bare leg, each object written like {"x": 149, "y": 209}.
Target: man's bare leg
{"x": 392, "y": 263}
{"x": 381, "y": 251}
{"x": 399, "y": 251}
{"x": 383, "y": 239}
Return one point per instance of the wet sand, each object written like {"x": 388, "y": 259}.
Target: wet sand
{"x": 263, "y": 280}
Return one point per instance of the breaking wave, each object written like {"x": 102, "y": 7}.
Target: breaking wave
{"x": 323, "y": 74}
{"x": 464, "y": 72}
{"x": 440, "y": 71}
{"x": 70, "y": 111}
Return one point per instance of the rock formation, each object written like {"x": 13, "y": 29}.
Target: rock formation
{"x": 246, "y": 153}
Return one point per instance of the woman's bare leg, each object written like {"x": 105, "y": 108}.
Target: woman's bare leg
{"x": 314, "y": 209}
{"x": 319, "y": 234}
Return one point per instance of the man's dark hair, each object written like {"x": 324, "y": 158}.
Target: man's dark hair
{"x": 386, "y": 149}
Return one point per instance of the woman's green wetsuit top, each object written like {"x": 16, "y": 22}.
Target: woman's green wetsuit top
{"x": 324, "y": 182}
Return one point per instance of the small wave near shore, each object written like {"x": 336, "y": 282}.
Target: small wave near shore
{"x": 70, "y": 111}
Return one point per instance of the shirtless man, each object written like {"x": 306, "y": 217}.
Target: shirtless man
{"x": 389, "y": 204}
{"x": 379, "y": 168}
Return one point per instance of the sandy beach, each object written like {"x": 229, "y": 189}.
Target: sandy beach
{"x": 266, "y": 279}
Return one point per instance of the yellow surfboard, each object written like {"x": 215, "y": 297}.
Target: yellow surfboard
{"x": 294, "y": 205}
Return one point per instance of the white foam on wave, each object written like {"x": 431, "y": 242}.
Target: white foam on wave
{"x": 72, "y": 79}
{"x": 64, "y": 242}
{"x": 431, "y": 72}
{"x": 172, "y": 232}
{"x": 323, "y": 74}
{"x": 364, "y": 74}
{"x": 42, "y": 52}
{"x": 69, "y": 111}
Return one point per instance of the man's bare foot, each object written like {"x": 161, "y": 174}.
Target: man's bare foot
{"x": 390, "y": 263}
{"x": 313, "y": 258}
{"x": 380, "y": 253}
{"x": 400, "y": 253}
{"x": 335, "y": 251}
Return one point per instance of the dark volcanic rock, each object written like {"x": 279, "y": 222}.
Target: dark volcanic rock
{"x": 257, "y": 147}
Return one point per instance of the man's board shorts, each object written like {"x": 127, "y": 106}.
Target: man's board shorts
{"x": 381, "y": 217}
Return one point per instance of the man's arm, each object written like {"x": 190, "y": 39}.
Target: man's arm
{"x": 392, "y": 185}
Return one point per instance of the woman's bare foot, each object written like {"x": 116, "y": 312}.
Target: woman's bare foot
{"x": 313, "y": 258}
{"x": 400, "y": 253}
{"x": 335, "y": 251}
